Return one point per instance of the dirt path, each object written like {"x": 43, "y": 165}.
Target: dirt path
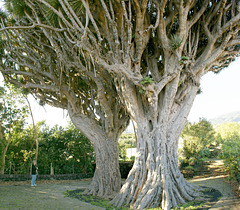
{"x": 43, "y": 196}
{"x": 213, "y": 175}
{"x": 228, "y": 201}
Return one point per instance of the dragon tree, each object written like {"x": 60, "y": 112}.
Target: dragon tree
{"x": 154, "y": 52}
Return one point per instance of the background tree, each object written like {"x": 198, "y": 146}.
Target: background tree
{"x": 154, "y": 52}
{"x": 34, "y": 126}
{"x": 197, "y": 139}
{"x": 13, "y": 115}
{"x": 66, "y": 149}
{"x": 230, "y": 155}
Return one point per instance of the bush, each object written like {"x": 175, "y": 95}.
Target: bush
{"x": 125, "y": 167}
{"x": 231, "y": 157}
{"x": 205, "y": 152}
{"x": 197, "y": 139}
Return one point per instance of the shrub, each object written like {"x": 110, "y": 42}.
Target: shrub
{"x": 197, "y": 139}
{"x": 231, "y": 157}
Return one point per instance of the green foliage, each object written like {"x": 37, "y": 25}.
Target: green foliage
{"x": 231, "y": 157}
{"x": 13, "y": 112}
{"x": 184, "y": 58}
{"x": 147, "y": 80}
{"x": 197, "y": 139}
{"x": 16, "y": 7}
{"x": 67, "y": 149}
{"x": 125, "y": 167}
{"x": 175, "y": 42}
{"x": 127, "y": 140}
{"x": 226, "y": 131}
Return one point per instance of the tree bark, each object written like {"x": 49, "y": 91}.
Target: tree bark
{"x": 155, "y": 179}
{"x": 106, "y": 181}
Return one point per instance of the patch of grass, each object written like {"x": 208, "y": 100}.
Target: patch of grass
{"x": 210, "y": 195}
{"x": 94, "y": 200}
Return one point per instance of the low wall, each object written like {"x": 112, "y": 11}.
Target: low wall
{"x": 25, "y": 177}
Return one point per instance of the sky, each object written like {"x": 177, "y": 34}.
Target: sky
{"x": 220, "y": 95}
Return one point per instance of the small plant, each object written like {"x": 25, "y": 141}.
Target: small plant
{"x": 141, "y": 91}
{"x": 184, "y": 58}
{"x": 175, "y": 42}
{"x": 147, "y": 80}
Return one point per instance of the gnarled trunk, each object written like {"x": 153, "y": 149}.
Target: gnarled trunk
{"x": 107, "y": 178}
{"x": 155, "y": 179}
{"x": 106, "y": 181}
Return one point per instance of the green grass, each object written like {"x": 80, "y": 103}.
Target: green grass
{"x": 210, "y": 197}
{"x": 94, "y": 200}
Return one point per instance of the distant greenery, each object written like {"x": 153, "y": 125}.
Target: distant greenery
{"x": 231, "y": 157}
{"x": 226, "y": 131}
{"x": 197, "y": 139}
{"x": 127, "y": 140}
{"x": 229, "y": 136}
{"x": 65, "y": 148}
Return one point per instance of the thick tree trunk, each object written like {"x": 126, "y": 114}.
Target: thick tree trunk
{"x": 155, "y": 179}
{"x": 107, "y": 178}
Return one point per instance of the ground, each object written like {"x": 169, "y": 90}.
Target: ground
{"x": 46, "y": 195}
{"x": 51, "y": 194}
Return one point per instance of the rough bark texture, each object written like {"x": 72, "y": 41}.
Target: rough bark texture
{"x": 107, "y": 178}
{"x": 153, "y": 52}
{"x": 155, "y": 177}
